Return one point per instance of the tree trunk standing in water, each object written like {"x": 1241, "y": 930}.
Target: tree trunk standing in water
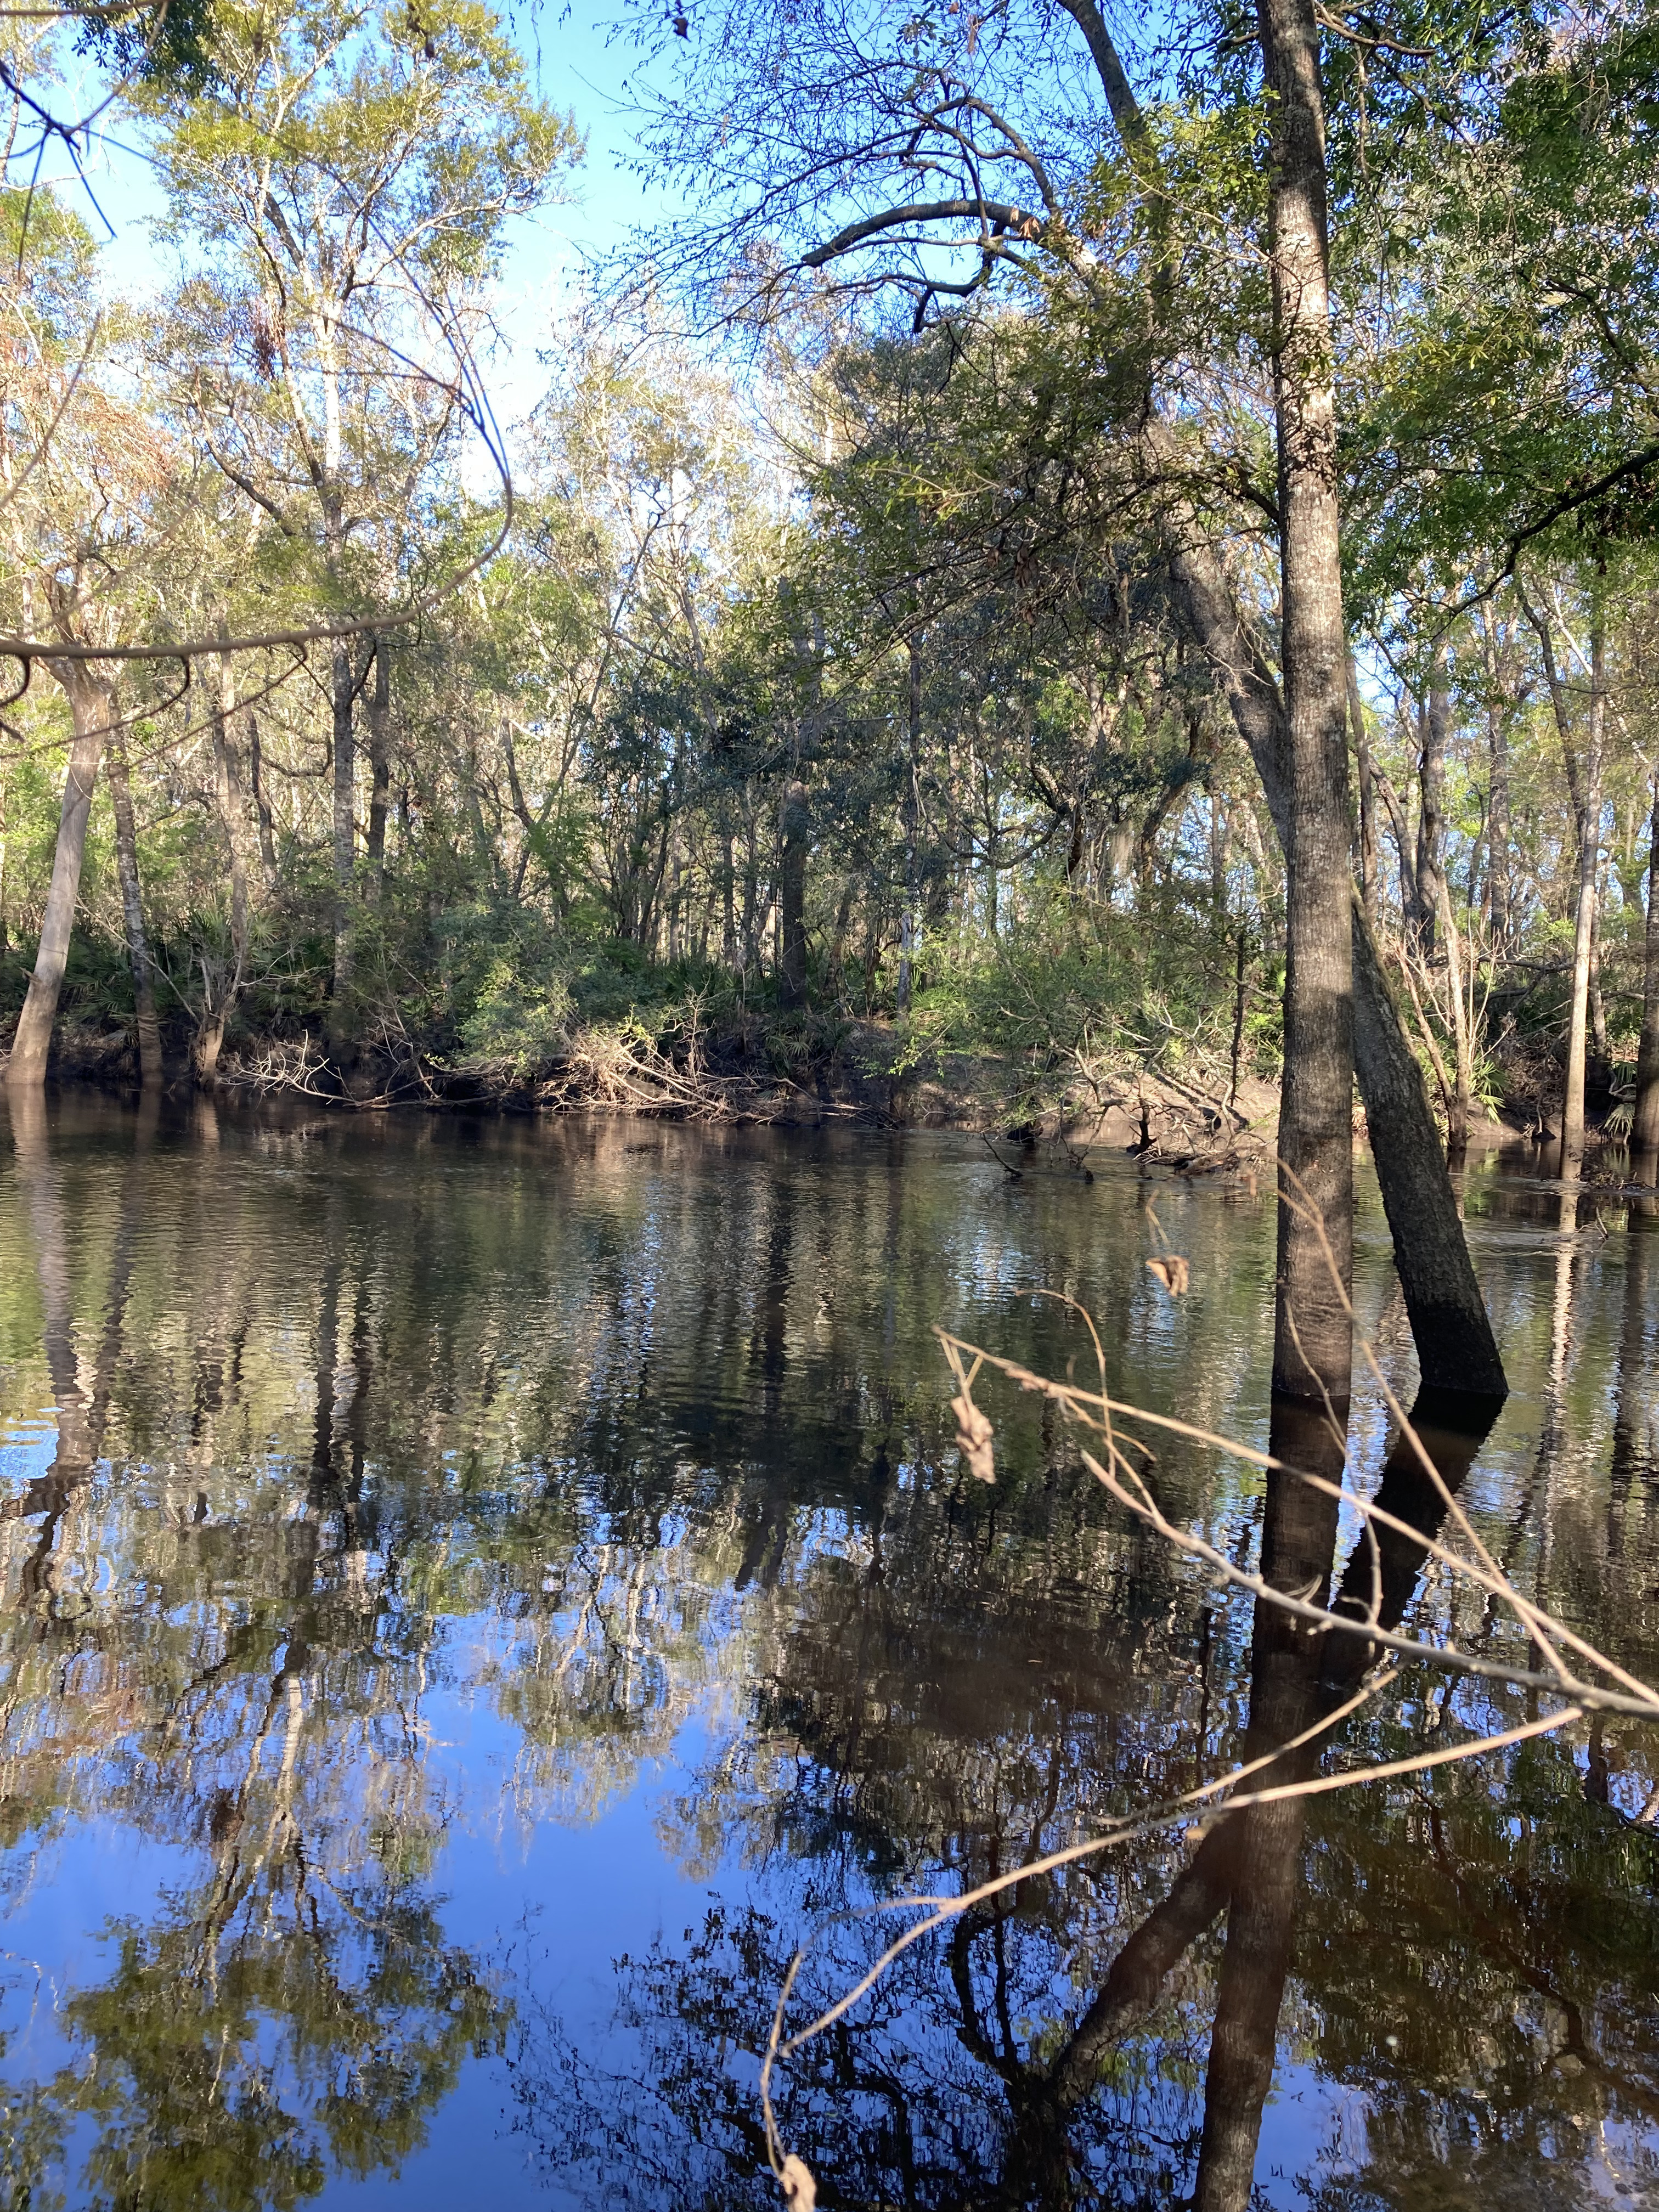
{"x": 132, "y": 915}
{"x": 380, "y": 765}
{"x": 1451, "y": 1327}
{"x": 92, "y": 710}
{"x": 1645, "y": 1128}
{"x": 1455, "y": 1349}
{"x": 1313, "y": 1332}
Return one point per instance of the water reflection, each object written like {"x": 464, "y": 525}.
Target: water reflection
{"x": 390, "y": 1508}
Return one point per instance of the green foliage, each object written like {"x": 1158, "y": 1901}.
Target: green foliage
{"x": 1078, "y": 987}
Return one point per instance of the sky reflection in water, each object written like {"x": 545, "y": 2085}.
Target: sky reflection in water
{"x": 474, "y": 1595}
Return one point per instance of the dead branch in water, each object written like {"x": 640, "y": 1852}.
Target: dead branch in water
{"x": 1594, "y": 1684}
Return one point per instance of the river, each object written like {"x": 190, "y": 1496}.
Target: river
{"x": 479, "y": 1595}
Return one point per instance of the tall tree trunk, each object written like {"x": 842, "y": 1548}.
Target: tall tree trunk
{"x": 1366, "y": 774}
{"x": 379, "y": 764}
{"x": 1645, "y": 1129}
{"x": 227, "y": 801}
{"x": 909, "y": 919}
{"x": 1313, "y": 1332}
{"x": 1449, "y": 1318}
{"x": 1430, "y": 870}
{"x": 1462, "y": 1100}
{"x": 256, "y": 776}
{"x": 791, "y": 894}
{"x": 1456, "y": 1349}
{"x": 92, "y": 710}
{"x": 1498, "y": 831}
{"x": 728, "y": 903}
{"x": 132, "y": 915}
{"x": 1584, "y": 928}
{"x": 342, "y": 1012}
{"x": 795, "y": 818}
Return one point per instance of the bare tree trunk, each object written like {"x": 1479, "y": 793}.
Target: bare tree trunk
{"x": 379, "y": 764}
{"x": 1366, "y": 776}
{"x": 210, "y": 1038}
{"x": 1584, "y": 928}
{"x": 1498, "y": 831}
{"x": 133, "y": 915}
{"x": 1645, "y": 1128}
{"x": 1430, "y": 870}
{"x": 795, "y": 819}
{"x": 261, "y": 803}
{"x": 92, "y": 710}
{"x": 1312, "y": 1330}
{"x": 342, "y": 1012}
{"x": 1598, "y": 1005}
{"x": 792, "y": 895}
{"x": 1462, "y": 1100}
{"x": 912, "y": 815}
{"x": 728, "y": 904}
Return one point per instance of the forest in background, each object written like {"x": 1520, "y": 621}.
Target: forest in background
{"x": 816, "y": 681}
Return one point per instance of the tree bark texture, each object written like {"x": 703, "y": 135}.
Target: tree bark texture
{"x": 92, "y": 710}
{"x": 1313, "y": 1332}
{"x": 132, "y": 915}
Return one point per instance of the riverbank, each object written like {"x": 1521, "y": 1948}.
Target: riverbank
{"x": 790, "y": 1070}
{"x": 799, "y": 1069}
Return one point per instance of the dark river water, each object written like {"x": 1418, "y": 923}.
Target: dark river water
{"x": 477, "y": 1597}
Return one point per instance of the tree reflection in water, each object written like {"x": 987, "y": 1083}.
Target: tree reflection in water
{"x": 1065, "y": 2044}
{"x": 650, "y": 1463}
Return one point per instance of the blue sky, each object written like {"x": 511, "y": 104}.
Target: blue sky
{"x": 572, "y": 67}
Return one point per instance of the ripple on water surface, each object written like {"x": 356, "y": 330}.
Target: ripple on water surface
{"x": 477, "y": 1595}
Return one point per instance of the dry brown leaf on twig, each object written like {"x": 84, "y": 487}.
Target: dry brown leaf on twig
{"x": 1172, "y": 1271}
{"x": 800, "y": 2192}
{"x": 974, "y": 1434}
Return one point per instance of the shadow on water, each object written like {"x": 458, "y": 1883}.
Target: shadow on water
{"x": 473, "y": 1598}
